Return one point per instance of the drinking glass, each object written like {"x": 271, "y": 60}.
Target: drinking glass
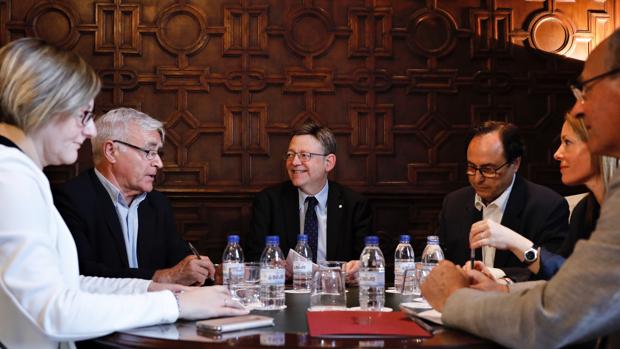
{"x": 245, "y": 287}
{"x": 339, "y": 265}
{"x": 328, "y": 290}
{"x": 410, "y": 283}
{"x": 414, "y": 278}
{"x": 422, "y": 271}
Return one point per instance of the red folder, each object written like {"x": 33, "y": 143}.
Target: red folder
{"x": 360, "y": 323}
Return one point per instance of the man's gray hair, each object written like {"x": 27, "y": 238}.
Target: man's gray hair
{"x": 114, "y": 125}
{"x": 323, "y": 134}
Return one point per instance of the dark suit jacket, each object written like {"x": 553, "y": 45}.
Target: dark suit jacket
{"x": 89, "y": 213}
{"x": 276, "y": 212}
{"x": 534, "y": 211}
{"x": 582, "y": 224}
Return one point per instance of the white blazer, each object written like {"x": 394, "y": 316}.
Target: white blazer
{"x": 44, "y": 302}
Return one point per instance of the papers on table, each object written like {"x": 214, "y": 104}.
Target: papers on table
{"x": 294, "y": 256}
{"x": 421, "y": 309}
{"x": 417, "y": 305}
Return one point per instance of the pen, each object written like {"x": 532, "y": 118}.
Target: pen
{"x": 194, "y": 250}
{"x": 472, "y": 256}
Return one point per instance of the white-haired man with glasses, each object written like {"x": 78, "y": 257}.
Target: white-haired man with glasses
{"x": 497, "y": 202}
{"x": 335, "y": 218}
{"x": 121, "y": 226}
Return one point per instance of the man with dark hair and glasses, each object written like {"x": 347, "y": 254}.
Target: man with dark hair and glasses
{"x": 498, "y": 201}
{"x": 121, "y": 226}
{"x": 335, "y": 218}
{"x": 580, "y": 302}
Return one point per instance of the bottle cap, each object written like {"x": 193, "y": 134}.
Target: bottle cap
{"x": 233, "y": 239}
{"x": 302, "y": 237}
{"x": 405, "y": 238}
{"x": 372, "y": 240}
{"x": 272, "y": 240}
{"x": 432, "y": 239}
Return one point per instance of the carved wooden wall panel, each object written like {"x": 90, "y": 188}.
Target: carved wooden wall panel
{"x": 399, "y": 82}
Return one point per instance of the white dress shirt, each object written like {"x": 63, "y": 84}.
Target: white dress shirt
{"x": 494, "y": 211}
{"x": 321, "y": 215}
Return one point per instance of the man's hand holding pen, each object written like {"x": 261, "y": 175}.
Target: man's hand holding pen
{"x": 189, "y": 271}
{"x": 193, "y": 270}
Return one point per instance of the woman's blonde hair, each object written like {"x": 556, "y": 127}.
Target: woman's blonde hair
{"x": 39, "y": 82}
{"x": 604, "y": 165}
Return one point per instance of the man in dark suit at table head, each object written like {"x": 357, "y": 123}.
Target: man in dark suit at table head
{"x": 121, "y": 226}
{"x": 580, "y": 302}
{"x": 500, "y": 202}
{"x": 335, "y": 218}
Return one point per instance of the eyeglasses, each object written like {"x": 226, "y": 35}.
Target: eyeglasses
{"x": 579, "y": 88}
{"x": 303, "y": 156}
{"x": 86, "y": 117}
{"x": 149, "y": 153}
{"x": 485, "y": 171}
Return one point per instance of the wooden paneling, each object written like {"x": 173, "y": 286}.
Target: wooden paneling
{"x": 399, "y": 82}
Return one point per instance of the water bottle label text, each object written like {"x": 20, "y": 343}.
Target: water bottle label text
{"x": 231, "y": 269}
{"x": 400, "y": 267}
{"x": 303, "y": 267}
{"x": 372, "y": 278}
{"x": 274, "y": 276}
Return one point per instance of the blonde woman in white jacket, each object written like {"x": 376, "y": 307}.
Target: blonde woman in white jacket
{"x": 46, "y": 100}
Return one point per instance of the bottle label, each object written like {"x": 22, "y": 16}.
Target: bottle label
{"x": 372, "y": 279}
{"x": 234, "y": 268}
{"x": 400, "y": 267}
{"x": 302, "y": 267}
{"x": 272, "y": 276}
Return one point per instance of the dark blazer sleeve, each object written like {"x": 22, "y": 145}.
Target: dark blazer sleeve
{"x": 260, "y": 226}
{"x": 582, "y": 223}
{"x": 455, "y": 219}
{"x": 362, "y": 225}
{"x": 555, "y": 226}
{"x": 349, "y": 221}
{"x": 275, "y": 211}
{"x": 92, "y": 220}
{"x": 159, "y": 244}
{"x": 89, "y": 253}
{"x": 543, "y": 220}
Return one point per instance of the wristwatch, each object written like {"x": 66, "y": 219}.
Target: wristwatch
{"x": 530, "y": 255}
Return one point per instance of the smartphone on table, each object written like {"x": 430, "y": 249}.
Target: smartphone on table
{"x": 235, "y": 323}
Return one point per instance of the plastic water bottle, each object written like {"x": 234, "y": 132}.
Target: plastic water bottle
{"x": 403, "y": 260}
{"x": 302, "y": 269}
{"x": 232, "y": 259}
{"x": 432, "y": 253}
{"x": 372, "y": 276}
{"x": 272, "y": 274}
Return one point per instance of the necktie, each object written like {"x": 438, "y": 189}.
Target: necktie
{"x": 311, "y": 226}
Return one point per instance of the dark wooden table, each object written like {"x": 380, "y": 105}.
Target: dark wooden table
{"x": 290, "y": 331}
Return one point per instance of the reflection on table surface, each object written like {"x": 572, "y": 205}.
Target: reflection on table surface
{"x": 290, "y": 331}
